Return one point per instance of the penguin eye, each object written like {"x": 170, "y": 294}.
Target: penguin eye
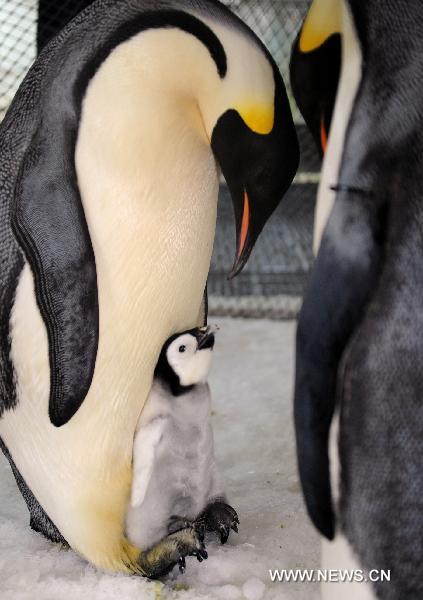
{"x": 182, "y": 348}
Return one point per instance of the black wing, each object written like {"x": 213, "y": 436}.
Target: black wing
{"x": 343, "y": 277}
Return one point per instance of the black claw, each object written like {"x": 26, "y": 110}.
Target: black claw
{"x": 224, "y": 534}
{"x": 204, "y": 554}
{"x": 200, "y": 529}
{"x": 182, "y": 564}
{"x": 220, "y": 518}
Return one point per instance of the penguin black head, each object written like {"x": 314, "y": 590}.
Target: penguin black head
{"x": 257, "y": 150}
{"x": 314, "y": 79}
{"x": 185, "y": 359}
{"x": 315, "y": 67}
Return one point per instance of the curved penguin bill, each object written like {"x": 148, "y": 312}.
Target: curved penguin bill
{"x": 64, "y": 258}
{"x": 258, "y": 161}
{"x": 315, "y": 67}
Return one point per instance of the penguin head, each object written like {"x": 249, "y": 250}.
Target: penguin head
{"x": 185, "y": 359}
{"x": 315, "y": 67}
{"x": 249, "y": 123}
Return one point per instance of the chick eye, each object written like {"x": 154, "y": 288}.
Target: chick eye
{"x": 182, "y": 348}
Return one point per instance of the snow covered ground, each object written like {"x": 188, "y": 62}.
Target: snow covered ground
{"x": 251, "y": 385}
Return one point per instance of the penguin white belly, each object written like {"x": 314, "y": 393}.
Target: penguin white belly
{"x": 338, "y": 554}
{"x": 149, "y": 184}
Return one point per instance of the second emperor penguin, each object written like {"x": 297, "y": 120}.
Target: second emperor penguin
{"x": 175, "y": 483}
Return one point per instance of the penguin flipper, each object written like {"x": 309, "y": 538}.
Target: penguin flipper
{"x": 144, "y": 451}
{"x": 49, "y": 223}
{"x": 343, "y": 277}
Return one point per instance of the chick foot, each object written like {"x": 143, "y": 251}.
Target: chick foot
{"x": 159, "y": 560}
{"x": 220, "y": 518}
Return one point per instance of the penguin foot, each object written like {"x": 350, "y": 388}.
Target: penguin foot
{"x": 171, "y": 551}
{"x": 220, "y": 518}
{"x": 176, "y": 523}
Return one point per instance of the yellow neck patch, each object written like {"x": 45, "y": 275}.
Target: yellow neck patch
{"x": 258, "y": 117}
{"x": 323, "y": 19}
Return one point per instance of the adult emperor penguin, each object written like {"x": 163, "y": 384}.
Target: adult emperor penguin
{"x": 359, "y": 340}
{"x": 108, "y": 189}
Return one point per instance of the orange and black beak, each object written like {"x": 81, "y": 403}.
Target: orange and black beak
{"x": 205, "y": 337}
{"x": 315, "y": 68}
{"x": 258, "y": 167}
{"x": 243, "y": 231}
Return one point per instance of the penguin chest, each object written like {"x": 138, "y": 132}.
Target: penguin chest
{"x": 153, "y": 249}
{"x": 148, "y": 184}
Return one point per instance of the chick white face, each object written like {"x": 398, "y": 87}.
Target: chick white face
{"x": 190, "y": 362}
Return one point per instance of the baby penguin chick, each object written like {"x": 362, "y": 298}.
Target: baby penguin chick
{"x": 175, "y": 480}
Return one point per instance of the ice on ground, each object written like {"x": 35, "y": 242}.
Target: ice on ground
{"x": 251, "y": 384}
{"x": 253, "y": 589}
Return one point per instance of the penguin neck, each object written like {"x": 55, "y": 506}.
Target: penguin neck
{"x": 142, "y": 107}
{"x": 148, "y": 182}
{"x": 348, "y": 85}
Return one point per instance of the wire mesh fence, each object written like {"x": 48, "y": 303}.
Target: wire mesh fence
{"x": 17, "y": 45}
{"x": 274, "y": 278}
{"x": 276, "y": 22}
{"x": 27, "y": 25}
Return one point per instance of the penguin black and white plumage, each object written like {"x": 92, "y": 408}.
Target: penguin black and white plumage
{"x": 360, "y": 332}
{"x": 176, "y": 483}
{"x": 109, "y": 159}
